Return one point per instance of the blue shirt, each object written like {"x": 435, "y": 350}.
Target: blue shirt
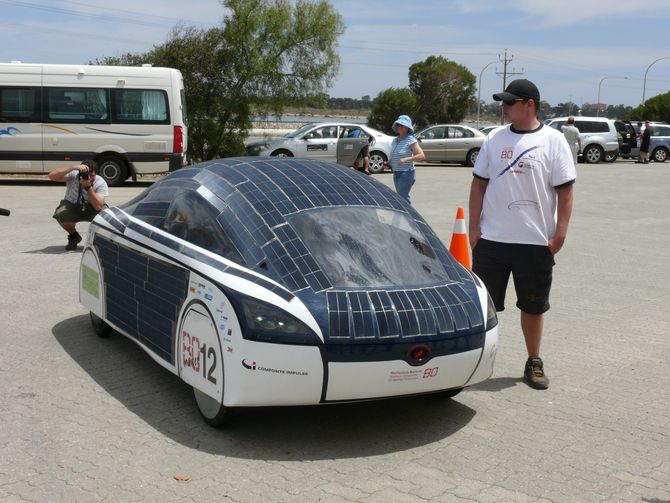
{"x": 402, "y": 148}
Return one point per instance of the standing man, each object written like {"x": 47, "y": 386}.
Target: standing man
{"x": 520, "y": 206}
{"x": 571, "y": 134}
{"x": 645, "y": 140}
{"x": 85, "y": 194}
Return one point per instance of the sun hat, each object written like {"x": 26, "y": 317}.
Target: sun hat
{"x": 403, "y": 120}
{"x": 519, "y": 89}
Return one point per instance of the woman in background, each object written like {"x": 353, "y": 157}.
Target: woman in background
{"x": 405, "y": 152}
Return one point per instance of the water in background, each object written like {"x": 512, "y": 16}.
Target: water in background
{"x": 290, "y": 119}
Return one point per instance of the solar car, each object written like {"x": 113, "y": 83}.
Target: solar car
{"x": 265, "y": 281}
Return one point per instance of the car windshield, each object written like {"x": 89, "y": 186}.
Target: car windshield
{"x": 299, "y": 131}
{"x": 368, "y": 247}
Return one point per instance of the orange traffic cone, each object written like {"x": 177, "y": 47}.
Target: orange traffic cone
{"x": 459, "y": 247}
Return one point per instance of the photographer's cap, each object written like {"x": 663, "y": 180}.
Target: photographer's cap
{"x": 519, "y": 89}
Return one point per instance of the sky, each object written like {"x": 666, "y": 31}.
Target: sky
{"x": 573, "y": 50}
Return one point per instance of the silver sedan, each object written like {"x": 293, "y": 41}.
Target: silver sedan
{"x": 339, "y": 142}
{"x": 451, "y": 142}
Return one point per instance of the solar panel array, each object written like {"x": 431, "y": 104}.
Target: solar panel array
{"x": 254, "y": 198}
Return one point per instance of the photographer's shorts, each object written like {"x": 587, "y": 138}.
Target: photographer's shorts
{"x": 530, "y": 266}
{"x": 68, "y": 212}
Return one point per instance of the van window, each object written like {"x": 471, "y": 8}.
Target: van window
{"x": 140, "y": 106}
{"x": 77, "y": 105}
{"x": 19, "y": 104}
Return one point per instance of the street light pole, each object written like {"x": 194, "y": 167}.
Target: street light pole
{"x": 599, "y": 86}
{"x": 644, "y": 85}
{"x": 479, "y": 90}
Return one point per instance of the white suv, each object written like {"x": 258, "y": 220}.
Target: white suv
{"x": 599, "y": 137}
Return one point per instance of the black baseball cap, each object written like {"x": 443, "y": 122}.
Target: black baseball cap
{"x": 519, "y": 89}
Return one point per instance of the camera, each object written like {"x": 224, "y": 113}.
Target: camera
{"x": 83, "y": 176}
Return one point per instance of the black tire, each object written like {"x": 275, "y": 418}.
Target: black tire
{"x": 376, "y": 161}
{"x": 450, "y": 393}
{"x": 113, "y": 169}
{"x": 214, "y": 413}
{"x": 281, "y": 153}
{"x": 659, "y": 155}
{"x": 472, "y": 157}
{"x": 100, "y": 326}
{"x": 593, "y": 154}
{"x": 611, "y": 157}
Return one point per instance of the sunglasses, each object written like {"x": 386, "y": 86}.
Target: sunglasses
{"x": 511, "y": 102}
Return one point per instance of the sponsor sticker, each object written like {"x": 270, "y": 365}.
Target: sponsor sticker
{"x": 90, "y": 281}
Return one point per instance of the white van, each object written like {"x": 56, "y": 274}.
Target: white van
{"x": 130, "y": 120}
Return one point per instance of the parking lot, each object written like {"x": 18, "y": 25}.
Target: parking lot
{"x": 86, "y": 419}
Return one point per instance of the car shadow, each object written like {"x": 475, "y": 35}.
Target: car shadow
{"x": 333, "y": 431}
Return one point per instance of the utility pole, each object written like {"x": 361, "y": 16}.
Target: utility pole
{"x": 505, "y": 61}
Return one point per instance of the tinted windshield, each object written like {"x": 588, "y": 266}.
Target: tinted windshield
{"x": 368, "y": 247}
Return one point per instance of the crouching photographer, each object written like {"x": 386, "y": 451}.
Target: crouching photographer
{"x": 85, "y": 194}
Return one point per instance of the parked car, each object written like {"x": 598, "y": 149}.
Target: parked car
{"x": 487, "y": 129}
{"x": 659, "y": 143}
{"x": 339, "y": 142}
{"x": 599, "y": 137}
{"x": 451, "y": 142}
{"x": 270, "y": 282}
{"x": 628, "y": 137}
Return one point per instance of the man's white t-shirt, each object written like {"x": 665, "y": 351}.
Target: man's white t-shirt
{"x": 523, "y": 169}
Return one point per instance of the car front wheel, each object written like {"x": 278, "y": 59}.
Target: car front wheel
{"x": 472, "y": 157}
{"x": 660, "y": 155}
{"x": 281, "y": 153}
{"x": 376, "y": 161}
{"x": 593, "y": 154}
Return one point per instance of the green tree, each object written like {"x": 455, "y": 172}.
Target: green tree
{"x": 654, "y": 109}
{"x": 388, "y": 105}
{"x": 444, "y": 90}
{"x": 267, "y": 55}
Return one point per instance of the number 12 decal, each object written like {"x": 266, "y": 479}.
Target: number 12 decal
{"x": 191, "y": 351}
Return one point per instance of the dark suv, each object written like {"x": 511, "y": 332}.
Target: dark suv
{"x": 628, "y": 137}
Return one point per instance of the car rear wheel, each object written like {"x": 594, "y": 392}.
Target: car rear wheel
{"x": 376, "y": 161}
{"x": 100, "y": 327}
{"x": 660, "y": 155}
{"x": 593, "y": 154}
{"x": 213, "y": 412}
{"x": 471, "y": 159}
{"x": 281, "y": 153}
{"x": 113, "y": 169}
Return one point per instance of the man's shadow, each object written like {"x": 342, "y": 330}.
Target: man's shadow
{"x": 55, "y": 250}
{"x": 332, "y": 431}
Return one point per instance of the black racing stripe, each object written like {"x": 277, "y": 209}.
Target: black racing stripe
{"x": 38, "y": 155}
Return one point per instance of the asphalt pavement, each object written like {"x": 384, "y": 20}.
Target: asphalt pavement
{"x": 85, "y": 419}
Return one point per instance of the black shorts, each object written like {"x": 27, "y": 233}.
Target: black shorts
{"x": 365, "y": 152}
{"x": 530, "y": 265}
{"x": 68, "y": 212}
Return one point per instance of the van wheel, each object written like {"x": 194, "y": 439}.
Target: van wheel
{"x": 113, "y": 169}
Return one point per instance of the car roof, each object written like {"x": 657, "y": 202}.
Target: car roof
{"x": 254, "y": 198}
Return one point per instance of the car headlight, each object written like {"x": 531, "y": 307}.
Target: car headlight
{"x": 491, "y": 316}
{"x": 267, "y": 323}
